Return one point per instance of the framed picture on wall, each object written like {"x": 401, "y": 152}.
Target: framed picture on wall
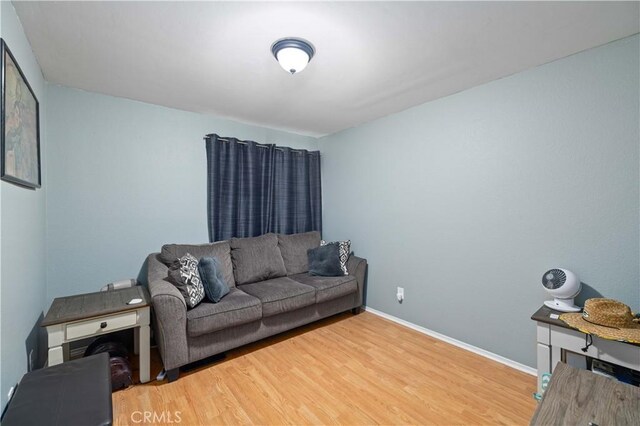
{"x": 20, "y": 132}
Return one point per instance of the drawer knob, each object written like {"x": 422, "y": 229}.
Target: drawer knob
{"x": 103, "y": 324}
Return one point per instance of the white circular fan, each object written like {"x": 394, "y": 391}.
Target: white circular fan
{"x": 563, "y": 285}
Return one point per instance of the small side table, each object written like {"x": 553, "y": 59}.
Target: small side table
{"x": 555, "y": 337}
{"x": 94, "y": 314}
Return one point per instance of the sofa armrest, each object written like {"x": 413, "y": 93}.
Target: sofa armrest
{"x": 169, "y": 323}
{"x": 357, "y": 267}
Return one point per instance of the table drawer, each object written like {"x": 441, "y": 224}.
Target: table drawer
{"x": 623, "y": 354}
{"x": 97, "y": 326}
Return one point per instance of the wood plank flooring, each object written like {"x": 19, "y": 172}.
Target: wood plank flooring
{"x": 346, "y": 369}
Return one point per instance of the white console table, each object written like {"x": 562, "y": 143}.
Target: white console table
{"x": 555, "y": 337}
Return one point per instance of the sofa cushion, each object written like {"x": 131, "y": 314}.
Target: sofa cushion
{"x": 294, "y": 250}
{"x": 280, "y": 295}
{"x": 256, "y": 259}
{"x": 328, "y": 288}
{"x": 235, "y": 308}
{"x": 220, "y": 250}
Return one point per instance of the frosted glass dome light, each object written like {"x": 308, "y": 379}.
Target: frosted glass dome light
{"x": 292, "y": 59}
{"x": 293, "y": 54}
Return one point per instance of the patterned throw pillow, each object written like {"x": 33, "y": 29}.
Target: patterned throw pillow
{"x": 184, "y": 275}
{"x": 344, "y": 250}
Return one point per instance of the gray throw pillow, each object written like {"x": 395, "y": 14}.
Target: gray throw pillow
{"x": 184, "y": 275}
{"x": 345, "y": 251}
{"x": 324, "y": 261}
{"x": 256, "y": 259}
{"x": 212, "y": 279}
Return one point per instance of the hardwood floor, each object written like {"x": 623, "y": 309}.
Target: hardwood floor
{"x": 347, "y": 369}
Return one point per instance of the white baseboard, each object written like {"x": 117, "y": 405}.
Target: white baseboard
{"x": 502, "y": 360}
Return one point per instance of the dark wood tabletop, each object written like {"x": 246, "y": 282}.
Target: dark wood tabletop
{"x": 580, "y": 397}
{"x": 89, "y": 305}
{"x": 543, "y": 315}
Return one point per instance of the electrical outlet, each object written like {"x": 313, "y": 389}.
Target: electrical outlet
{"x": 10, "y": 393}
{"x": 31, "y": 360}
{"x": 400, "y": 294}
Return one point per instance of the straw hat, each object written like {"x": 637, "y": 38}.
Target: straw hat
{"x": 606, "y": 318}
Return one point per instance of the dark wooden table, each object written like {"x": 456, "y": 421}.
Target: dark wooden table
{"x": 580, "y": 397}
{"x": 555, "y": 338}
{"x": 94, "y": 314}
{"x": 81, "y": 306}
{"x": 543, "y": 315}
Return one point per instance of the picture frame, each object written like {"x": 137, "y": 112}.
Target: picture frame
{"x": 20, "y": 125}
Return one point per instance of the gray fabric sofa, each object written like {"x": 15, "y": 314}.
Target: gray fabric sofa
{"x": 270, "y": 292}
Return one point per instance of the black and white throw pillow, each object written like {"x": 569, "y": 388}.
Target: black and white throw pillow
{"x": 185, "y": 276}
{"x": 344, "y": 249}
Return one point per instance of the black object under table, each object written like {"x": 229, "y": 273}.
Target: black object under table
{"x": 77, "y": 392}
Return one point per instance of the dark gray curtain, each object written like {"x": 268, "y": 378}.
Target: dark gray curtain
{"x": 256, "y": 188}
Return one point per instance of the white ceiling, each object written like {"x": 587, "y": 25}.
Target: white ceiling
{"x": 372, "y": 58}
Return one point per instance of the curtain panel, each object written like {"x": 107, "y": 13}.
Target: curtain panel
{"x": 256, "y": 188}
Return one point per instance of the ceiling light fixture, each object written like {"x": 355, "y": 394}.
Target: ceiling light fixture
{"x": 293, "y": 54}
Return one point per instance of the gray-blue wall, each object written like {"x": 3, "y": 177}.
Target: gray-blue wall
{"x": 463, "y": 201}
{"x": 124, "y": 178}
{"x": 466, "y": 201}
{"x": 22, "y": 228}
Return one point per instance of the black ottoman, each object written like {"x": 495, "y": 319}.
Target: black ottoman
{"x": 77, "y": 392}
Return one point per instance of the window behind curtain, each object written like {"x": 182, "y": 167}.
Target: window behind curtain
{"x": 256, "y": 188}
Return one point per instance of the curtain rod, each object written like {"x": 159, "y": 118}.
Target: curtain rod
{"x": 298, "y": 151}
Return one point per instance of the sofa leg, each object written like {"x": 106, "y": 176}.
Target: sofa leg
{"x": 173, "y": 374}
{"x": 356, "y": 311}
